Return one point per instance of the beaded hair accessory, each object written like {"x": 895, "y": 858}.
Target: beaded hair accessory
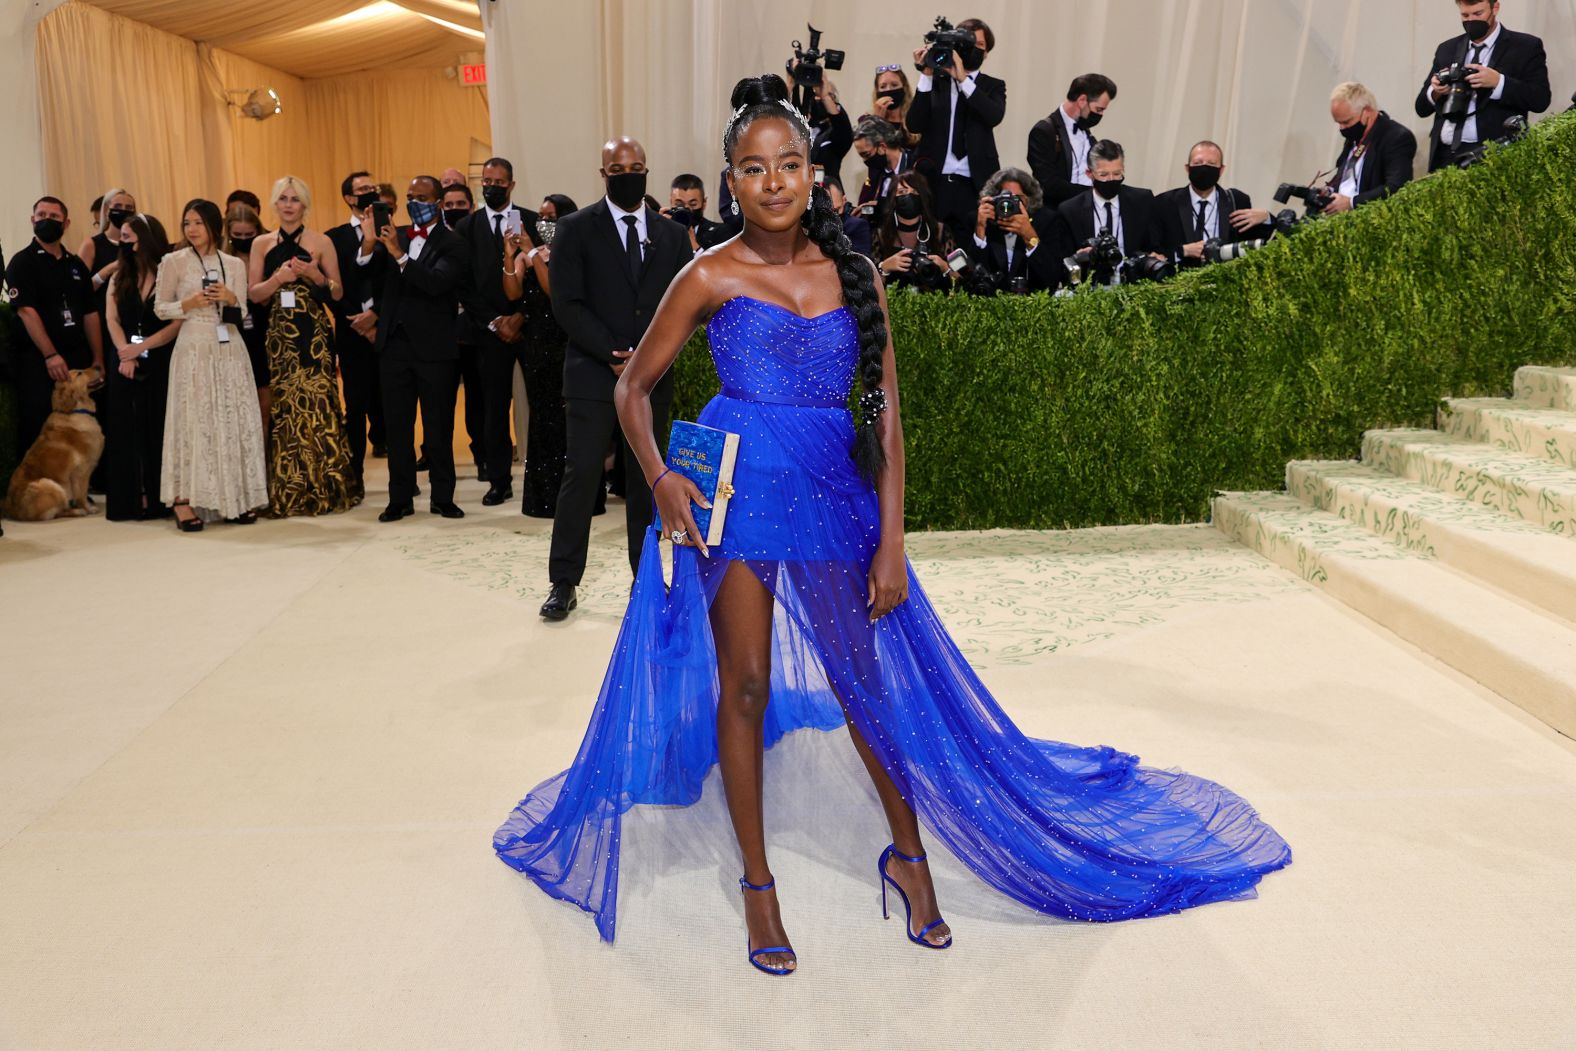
{"x": 793, "y": 114}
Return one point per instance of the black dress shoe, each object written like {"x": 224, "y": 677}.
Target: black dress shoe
{"x": 496, "y": 496}
{"x": 421, "y": 462}
{"x": 559, "y": 602}
{"x": 391, "y": 513}
{"x": 379, "y": 451}
{"x": 446, "y": 510}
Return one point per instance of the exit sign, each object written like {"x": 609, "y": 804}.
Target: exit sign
{"x": 476, "y": 74}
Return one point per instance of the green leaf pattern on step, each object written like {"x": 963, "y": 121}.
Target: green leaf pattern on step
{"x": 1525, "y": 487}
{"x": 1006, "y": 596}
{"x": 1553, "y": 388}
{"x": 1546, "y": 433}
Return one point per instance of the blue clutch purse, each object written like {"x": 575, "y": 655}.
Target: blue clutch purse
{"x": 705, "y": 455}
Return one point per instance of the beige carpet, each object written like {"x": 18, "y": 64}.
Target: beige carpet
{"x": 248, "y": 781}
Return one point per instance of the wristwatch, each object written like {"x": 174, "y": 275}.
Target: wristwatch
{"x": 1034, "y": 242}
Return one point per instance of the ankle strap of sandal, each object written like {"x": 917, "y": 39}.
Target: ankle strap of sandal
{"x": 899, "y": 854}
{"x": 747, "y": 885}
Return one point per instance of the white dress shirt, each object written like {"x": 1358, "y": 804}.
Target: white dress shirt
{"x": 1078, "y": 141}
{"x": 953, "y": 165}
{"x": 413, "y": 251}
{"x": 1353, "y": 178}
{"x": 1116, "y": 218}
{"x": 1469, "y": 128}
{"x": 494, "y": 217}
{"x": 622, "y": 227}
{"x": 1211, "y": 202}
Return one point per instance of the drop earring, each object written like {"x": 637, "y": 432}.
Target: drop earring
{"x": 735, "y": 208}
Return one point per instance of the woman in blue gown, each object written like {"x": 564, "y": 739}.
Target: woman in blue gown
{"x": 807, "y": 615}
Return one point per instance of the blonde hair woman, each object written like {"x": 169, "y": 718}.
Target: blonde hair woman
{"x": 890, "y": 96}
{"x": 296, "y": 271}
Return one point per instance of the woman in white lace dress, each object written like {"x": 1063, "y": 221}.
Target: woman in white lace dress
{"x": 215, "y": 463}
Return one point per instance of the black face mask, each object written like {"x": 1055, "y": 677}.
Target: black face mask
{"x": 366, "y": 200}
{"x": 48, "y": 231}
{"x": 242, "y": 245}
{"x": 118, "y": 217}
{"x": 1354, "y": 133}
{"x": 1109, "y": 188}
{"x": 897, "y": 95}
{"x": 627, "y": 189}
{"x": 452, "y": 216}
{"x": 908, "y": 207}
{"x": 1476, "y": 28}
{"x": 497, "y": 197}
{"x": 972, "y": 59}
{"x": 1088, "y": 121}
{"x": 127, "y": 249}
{"x": 1204, "y": 177}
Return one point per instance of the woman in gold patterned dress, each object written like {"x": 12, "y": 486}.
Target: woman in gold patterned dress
{"x": 297, "y": 271}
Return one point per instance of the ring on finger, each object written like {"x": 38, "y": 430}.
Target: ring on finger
{"x": 678, "y": 536}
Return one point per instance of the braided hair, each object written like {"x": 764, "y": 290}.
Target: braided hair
{"x": 755, "y": 98}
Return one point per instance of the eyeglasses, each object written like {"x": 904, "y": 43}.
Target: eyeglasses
{"x": 888, "y": 69}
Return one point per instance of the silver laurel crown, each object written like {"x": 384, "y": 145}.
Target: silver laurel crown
{"x": 739, "y": 111}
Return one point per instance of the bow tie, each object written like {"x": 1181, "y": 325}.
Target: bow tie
{"x": 417, "y": 232}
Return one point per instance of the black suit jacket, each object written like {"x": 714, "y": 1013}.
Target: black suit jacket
{"x": 980, "y": 112}
{"x": 1179, "y": 218}
{"x": 833, "y": 143}
{"x": 1520, "y": 57}
{"x": 358, "y": 289}
{"x": 422, "y": 298}
{"x": 1051, "y": 160}
{"x": 1142, "y": 227}
{"x": 482, "y": 294}
{"x": 1041, "y": 269}
{"x": 1387, "y": 163}
{"x": 601, "y": 307}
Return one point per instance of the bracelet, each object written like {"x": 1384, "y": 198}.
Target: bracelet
{"x": 56, "y": 354}
{"x": 661, "y": 476}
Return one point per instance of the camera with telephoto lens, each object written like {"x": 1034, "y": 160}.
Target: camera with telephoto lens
{"x": 1216, "y": 252}
{"x": 1145, "y": 268}
{"x": 808, "y": 72}
{"x": 1006, "y": 204}
{"x": 1513, "y": 129}
{"x": 1314, "y": 198}
{"x": 681, "y": 215}
{"x": 1097, "y": 260}
{"x": 973, "y": 279}
{"x": 1458, "y": 98}
{"x": 943, "y": 40}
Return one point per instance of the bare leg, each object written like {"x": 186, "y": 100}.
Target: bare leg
{"x": 741, "y": 625}
{"x": 913, "y": 877}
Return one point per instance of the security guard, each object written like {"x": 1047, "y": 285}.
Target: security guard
{"x": 52, "y": 297}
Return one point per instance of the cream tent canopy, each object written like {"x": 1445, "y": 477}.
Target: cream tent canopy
{"x": 145, "y": 93}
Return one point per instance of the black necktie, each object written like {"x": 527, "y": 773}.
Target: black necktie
{"x": 632, "y": 246}
{"x": 1203, "y": 210}
{"x": 959, "y": 150}
{"x": 1110, "y": 220}
{"x": 498, "y": 227}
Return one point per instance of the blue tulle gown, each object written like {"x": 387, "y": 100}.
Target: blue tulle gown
{"x": 1081, "y": 833}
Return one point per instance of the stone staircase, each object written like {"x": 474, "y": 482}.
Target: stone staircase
{"x": 1461, "y": 540}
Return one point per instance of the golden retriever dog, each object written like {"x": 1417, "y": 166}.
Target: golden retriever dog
{"x": 52, "y": 479}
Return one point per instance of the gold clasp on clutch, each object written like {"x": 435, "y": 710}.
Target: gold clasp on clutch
{"x": 724, "y": 490}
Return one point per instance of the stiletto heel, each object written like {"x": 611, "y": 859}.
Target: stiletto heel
{"x": 908, "y": 910}
{"x": 745, "y": 884}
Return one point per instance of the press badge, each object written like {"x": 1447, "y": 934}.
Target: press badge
{"x": 67, "y": 318}
{"x": 287, "y": 299}
{"x": 246, "y": 321}
{"x": 224, "y": 332}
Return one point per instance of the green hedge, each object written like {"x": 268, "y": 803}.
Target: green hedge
{"x": 1134, "y": 405}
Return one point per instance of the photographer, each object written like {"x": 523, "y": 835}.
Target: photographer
{"x": 956, "y": 119}
{"x": 1127, "y": 213}
{"x": 879, "y": 144}
{"x": 1482, "y": 78}
{"x": 1059, "y": 145}
{"x": 1009, "y": 224}
{"x": 911, "y": 245}
{"x": 687, "y": 207}
{"x": 1377, "y": 158}
{"x": 890, "y": 98}
{"x": 855, "y": 226}
{"x": 1204, "y": 211}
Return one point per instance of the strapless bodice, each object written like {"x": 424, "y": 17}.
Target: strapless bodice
{"x": 767, "y": 353}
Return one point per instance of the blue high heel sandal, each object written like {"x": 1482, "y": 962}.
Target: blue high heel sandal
{"x": 745, "y": 884}
{"x": 908, "y": 910}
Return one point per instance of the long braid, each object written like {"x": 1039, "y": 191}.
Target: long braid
{"x": 825, "y": 228}
{"x": 767, "y": 96}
